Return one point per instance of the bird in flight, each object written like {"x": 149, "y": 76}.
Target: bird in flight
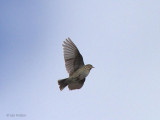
{"x": 75, "y": 66}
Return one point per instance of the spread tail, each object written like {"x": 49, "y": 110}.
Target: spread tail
{"x": 62, "y": 83}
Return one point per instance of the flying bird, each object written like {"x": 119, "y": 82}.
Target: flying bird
{"x": 75, "y": 66}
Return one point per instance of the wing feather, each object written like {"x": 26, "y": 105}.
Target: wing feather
{"x": 73, "y": 58}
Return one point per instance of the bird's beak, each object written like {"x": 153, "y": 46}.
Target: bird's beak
{"x": 93, "y": 67}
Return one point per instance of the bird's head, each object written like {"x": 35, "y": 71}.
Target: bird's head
{"x": 89, "y": 66}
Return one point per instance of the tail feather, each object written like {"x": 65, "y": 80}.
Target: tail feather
{"x": 62, "y": 83}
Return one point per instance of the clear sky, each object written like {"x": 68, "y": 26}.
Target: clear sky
{"x": 121, "y": 39}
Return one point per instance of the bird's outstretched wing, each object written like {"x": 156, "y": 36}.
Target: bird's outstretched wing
{"x": 76, "y": 85}
{"x": 73, "y": 58}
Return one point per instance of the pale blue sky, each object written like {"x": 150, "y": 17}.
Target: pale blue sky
{"x": 121, "y": 39}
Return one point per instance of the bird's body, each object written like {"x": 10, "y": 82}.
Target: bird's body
{"x": 75, "y": 67}
{"x": 80, "y": 73}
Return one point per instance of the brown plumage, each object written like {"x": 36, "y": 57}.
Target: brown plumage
{"x": 75, "y": 66}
